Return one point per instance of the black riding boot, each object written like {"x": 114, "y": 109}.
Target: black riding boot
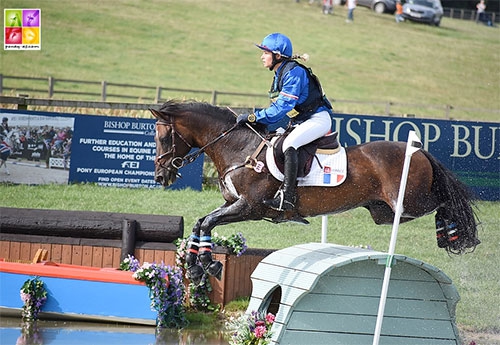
{"x": 284, "y": 199}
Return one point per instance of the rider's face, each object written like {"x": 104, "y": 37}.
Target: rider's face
{"x": 267, "y": 58}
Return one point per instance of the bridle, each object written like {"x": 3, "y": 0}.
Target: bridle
{"x": 179, "y": 162}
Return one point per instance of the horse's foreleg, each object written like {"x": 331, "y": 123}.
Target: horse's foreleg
{"x": 194, "y": 270}
{"x": 222, "y": 215}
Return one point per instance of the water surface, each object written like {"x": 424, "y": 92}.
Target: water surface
{"x": 12, "y": 332}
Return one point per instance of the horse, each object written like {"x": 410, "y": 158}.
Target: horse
{"x": 372, "y": 182}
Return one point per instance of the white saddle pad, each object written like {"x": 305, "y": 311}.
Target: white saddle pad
{"x": 332, "y": 171}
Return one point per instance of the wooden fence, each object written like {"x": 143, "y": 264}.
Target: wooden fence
{"x": 466, "y": 14}
{"x": 68, "y": 239}
{"x": 387, "y": 108}
{"x": 101, "y": 89}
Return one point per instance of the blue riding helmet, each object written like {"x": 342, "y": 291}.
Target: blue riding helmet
{"x": 278, "y": 44}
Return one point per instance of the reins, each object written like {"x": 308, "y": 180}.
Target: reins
{"x": 179, "y": 162}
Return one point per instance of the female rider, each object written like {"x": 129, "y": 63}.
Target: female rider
{"x": 297, "y": 93}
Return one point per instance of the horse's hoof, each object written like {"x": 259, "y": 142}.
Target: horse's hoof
{"x": 215, "y": 269}
{"x": 195, "y": 274}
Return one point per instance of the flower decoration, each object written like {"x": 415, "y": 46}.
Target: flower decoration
{"x": 33, "y": 295}
{"x": 236, "y": 243}
{"x": 130, "y": 263}
{"x": 166, "y": 290}
{"x": 250, "y": 329}
{"x": 198, "y": 295}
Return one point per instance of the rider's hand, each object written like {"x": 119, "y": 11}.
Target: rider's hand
{"x": 245, "y": 118}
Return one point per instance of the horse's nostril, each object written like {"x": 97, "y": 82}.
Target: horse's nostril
{"x": 159, "y": 179}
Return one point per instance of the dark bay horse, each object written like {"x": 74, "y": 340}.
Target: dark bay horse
{"x": 373, "y": 179}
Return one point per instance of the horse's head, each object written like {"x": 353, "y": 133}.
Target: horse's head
{"x": 171, "y": 147}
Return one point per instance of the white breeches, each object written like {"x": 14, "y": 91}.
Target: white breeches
{"x": 317, "y": 126}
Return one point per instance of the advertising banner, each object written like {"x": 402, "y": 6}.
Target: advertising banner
{"x": 470, "y": 149}
{"x": 106, "y": 150}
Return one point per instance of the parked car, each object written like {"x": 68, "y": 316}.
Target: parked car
{"x": 379, "y": 6}
{"x": 423, "y": 11}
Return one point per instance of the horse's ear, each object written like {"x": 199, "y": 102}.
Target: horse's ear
{"x": 155, "y": 113}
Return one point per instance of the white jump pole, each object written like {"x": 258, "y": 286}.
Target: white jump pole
{"x": 413, "y": 145}
{"x": 324, "y": 228}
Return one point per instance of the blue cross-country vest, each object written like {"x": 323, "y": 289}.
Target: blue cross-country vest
{"x": 315, "y": 99}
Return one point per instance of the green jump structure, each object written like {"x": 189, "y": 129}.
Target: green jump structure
{"x": 327, "y": 294}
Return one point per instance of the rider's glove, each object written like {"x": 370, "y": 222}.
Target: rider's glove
{"x": 245, "y": 118}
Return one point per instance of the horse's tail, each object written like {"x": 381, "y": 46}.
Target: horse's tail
{"x": 456, "y": 226}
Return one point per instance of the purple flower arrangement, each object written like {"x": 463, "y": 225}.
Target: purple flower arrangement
{"x": 166, "y": 290}
{"x": 236, "y": 243}
{"x": 33, "y": 295}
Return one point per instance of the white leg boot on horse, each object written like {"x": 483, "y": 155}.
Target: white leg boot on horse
{"x": 284, "y": 199}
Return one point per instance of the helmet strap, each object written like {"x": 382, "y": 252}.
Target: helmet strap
{"x": 276, "y": 61}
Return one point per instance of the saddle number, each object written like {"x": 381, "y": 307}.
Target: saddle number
{"x": 258, "y": 167}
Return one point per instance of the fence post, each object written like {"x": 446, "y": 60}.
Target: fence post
{"x": 388, "y": 108}
{"x": 51, "y": 86}
{"x": 22, "y": 105}
{"x": 158, "y": 94}
{"x": 214, "y": 97}
{"x": 129, "y": 227}
{"x": 104, "y": 84}
{"x": 448, "y": 109}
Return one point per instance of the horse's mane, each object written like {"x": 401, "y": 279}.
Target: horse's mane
{"x": 175, "y": 108}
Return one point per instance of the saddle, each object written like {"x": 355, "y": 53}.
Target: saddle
{"x": 327, "y": 144}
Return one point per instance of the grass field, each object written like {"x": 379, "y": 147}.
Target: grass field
{"x": 208, "y": 45}
{"x": 475, "y": 275}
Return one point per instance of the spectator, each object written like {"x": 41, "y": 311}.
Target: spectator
{"x": 327, "y": 6}
{"x": 399, "y": 12}
{"x": 481, "y": 7}
{"x": 351, "y": 6}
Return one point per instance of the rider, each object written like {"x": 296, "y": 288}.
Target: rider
{"x": 297, "y": 93}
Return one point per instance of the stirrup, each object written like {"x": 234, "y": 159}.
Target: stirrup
{"x": 279, "y": 203}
